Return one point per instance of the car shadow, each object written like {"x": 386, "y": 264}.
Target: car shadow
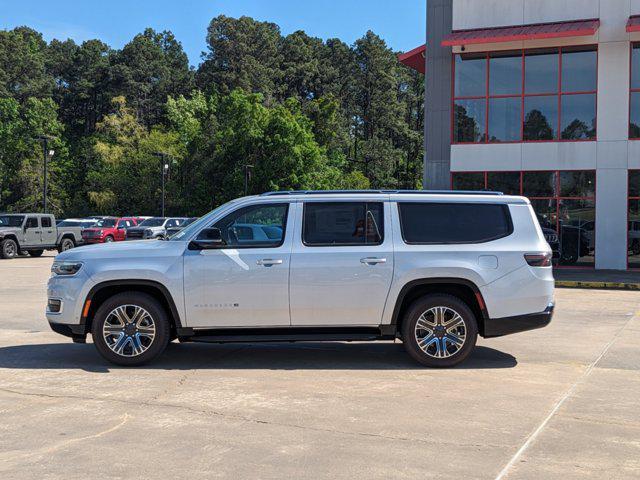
{"x": 269, "y": 356}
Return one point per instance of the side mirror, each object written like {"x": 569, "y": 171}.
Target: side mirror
{"x": 208, "y": 239}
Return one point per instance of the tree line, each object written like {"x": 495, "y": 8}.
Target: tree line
{"x": 262, "y": 111}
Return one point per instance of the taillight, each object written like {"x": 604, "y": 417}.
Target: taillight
{"x": 538, "y": 259}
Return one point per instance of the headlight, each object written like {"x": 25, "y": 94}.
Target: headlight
{"x": 65, "y": 268}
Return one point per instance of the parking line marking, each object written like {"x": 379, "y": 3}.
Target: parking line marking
{"x": 561, "y": 402}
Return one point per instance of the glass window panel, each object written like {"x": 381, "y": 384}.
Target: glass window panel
{"x": 505, "y": 182}
{"x": 635, "y": 66}
{"x": 540, "y": 118}
{"x": 546, "y": 213}
{"x": 634, "y": 183}
{"x": 453, "y": 222}
{"x": 343, "y": 223}
{"x": 471, "y": 75}
{"x": 634, "y": 115}
{"x": 468, "y": 181}
{"x": 539, "y": 184}
{"x": 578, "y": 117}
{"x": 243, "y": 227}
{"x": 577, "y": 232}
{"x": 578, "y": 183}
{"x": 579, "y": 70}
{"x": 505, "y": 74}
{"x": 634, "y": 234}
{"x": 469, "y": 118}
{"x": 504, "y": 119}
{"x": 541, "y": 71}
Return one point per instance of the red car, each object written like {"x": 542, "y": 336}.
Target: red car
{"x": 110, "y": 229}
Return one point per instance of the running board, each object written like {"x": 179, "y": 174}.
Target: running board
{"x": 293, "y": 334}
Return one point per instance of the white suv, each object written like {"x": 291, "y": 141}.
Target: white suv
{"x": 434, "y": 269}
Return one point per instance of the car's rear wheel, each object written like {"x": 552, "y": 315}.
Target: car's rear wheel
{"x": 36, "y": 253}
{"x": 66, "y": 244}
{"x": 9, "y": 248}
{"x": 439, "y": 330}
{"x": 130, "y": 329}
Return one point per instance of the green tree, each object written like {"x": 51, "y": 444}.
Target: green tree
{"x": 243, "y": 53}
{"x": 148, "y": 70}
{"x": 22, "y": 65}
{"x": 126, "y": 173}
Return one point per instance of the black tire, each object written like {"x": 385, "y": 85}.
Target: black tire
{"x": 9, "y": 248}
{"x": 66, "y": 244}
{"x": 36, "y": 253}
{"x": 156, "y": 312}
{"x": 108, "y": 239}
{"x": 455, "y": 354}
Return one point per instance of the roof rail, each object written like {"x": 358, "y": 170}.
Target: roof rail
{"x": 365, "y": 192}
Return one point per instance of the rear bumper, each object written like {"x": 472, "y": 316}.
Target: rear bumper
{"x": 497, "y": 327}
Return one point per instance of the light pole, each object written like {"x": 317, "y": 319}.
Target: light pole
{"x": 247, "y": 176}
{"x": 46, "y": 154}
{"x": 165, "y": 169}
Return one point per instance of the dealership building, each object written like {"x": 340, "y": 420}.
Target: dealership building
{"x": 540, "y": 98}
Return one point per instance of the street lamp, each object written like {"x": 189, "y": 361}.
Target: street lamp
{"x": 247, "y": 177}
{"x": 164, "y": 171}
{"x": 47, "y": 155}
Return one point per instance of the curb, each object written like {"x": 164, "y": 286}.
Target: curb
{"x": 597, "y": 285}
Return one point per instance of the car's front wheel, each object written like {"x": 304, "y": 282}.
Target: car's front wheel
{"x": 439, "y": 330}
{"x": 66, "y": 244}
{"x": 130, "y": 329}
{"x": 9, "y": 248}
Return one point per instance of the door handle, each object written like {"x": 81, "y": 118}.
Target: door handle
{"x": 372, "y": 260}
{"x": 268, "y": 262}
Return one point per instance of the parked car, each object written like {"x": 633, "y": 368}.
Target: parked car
{"x": 173, "y": 230}
{"x": 107, "y": 230}
{"x": 76, "y": 222}
{"x": 34, "y": 233}
{"x": 432, "y": 269}
{"x": 153, "y": 228}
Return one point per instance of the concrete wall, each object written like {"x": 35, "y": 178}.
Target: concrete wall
{"x": 613, "y": 153}
{"x": 437, "y": 135}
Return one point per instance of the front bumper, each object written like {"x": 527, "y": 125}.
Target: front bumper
{"x": 497, "y": 327}
{"x": 90, "y": 240}
{"x": 76, "y": 332}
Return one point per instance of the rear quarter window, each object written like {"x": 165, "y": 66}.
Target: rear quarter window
{"x": 446, "y": 223}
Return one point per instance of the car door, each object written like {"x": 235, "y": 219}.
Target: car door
{"x": 341, "y": 263}
{"x": 32, "y": 233}
{"x": 49, "y": 234}
{"x": 245, "y": 282}
{"x": 121, "y": 228}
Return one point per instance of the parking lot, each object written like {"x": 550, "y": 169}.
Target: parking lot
{"x": 561, "y": 402}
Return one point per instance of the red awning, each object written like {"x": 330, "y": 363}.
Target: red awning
{"x": 575, "y": 28}
{"x": 633, "y": 25}
{"x": 414, "y": 58}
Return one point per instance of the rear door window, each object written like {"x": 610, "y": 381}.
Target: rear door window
{"x": 343, "y": 223}
{"x": 445, "y": 223}
{"x": 45, "y": 221}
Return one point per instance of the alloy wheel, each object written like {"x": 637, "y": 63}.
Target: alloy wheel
{"x": 440, "y": 332}
{"x": 129, "y": 330}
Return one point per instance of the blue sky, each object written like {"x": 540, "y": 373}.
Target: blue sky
{"x": 400, "y": 23}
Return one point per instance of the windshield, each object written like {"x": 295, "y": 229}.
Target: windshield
{"x": 11, "y": 220}
{"x": 197, "y": 224}
{"x": 152, "y": 222}
{"x": 105, "y": 223}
